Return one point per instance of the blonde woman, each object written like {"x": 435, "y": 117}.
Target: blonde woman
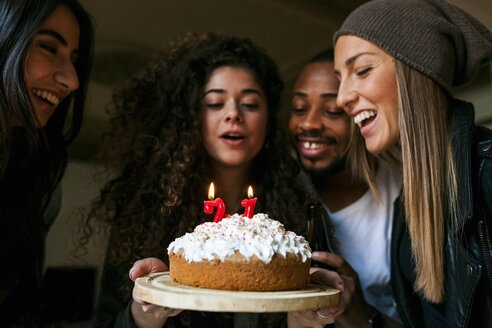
{"x": 397, "y": 61}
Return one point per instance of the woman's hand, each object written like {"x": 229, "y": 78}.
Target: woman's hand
{"x": 146, "y": 314}
{"x": 352, "y": 310}
{"x": 319, "y": 318}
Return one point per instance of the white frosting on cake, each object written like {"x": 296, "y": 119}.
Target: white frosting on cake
{"x": 260, "y": 236}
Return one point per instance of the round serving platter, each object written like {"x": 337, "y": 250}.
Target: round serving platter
{"x": 160, "y": 289}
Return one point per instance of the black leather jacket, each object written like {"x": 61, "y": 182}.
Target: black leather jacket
{"x": 468, "y": 253}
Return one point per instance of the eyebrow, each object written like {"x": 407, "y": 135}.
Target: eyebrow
{"x": 353, "y": 58}
{"x": 213, "y": 90}
{"x": 222, "y": 91}
{"x": 54, "y": 34}
{"x": 323, "y": 95}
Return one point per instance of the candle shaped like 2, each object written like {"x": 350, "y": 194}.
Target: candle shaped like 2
{"x": 249, "y": 204}
{"x": 208, "y": 205}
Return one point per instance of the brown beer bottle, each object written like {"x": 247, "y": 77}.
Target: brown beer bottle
{"x": 317, "y": 231}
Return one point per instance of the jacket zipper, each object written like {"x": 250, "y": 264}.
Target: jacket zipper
{"x": 484, "y": 237}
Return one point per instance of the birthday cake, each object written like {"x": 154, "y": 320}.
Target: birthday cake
{"x": 239, "y": 253}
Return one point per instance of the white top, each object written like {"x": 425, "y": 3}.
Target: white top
{"x": 260, "y": 236}
{"x": 363, "y": 231}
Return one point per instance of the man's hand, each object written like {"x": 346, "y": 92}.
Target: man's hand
{"x": 352, "y": 310}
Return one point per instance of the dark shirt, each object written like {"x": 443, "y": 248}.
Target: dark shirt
{"x": 21, "y": 300}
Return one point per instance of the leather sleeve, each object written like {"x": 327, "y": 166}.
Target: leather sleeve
{"x": 485, "y": 155}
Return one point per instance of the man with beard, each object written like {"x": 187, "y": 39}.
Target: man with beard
{"x": 361, "y": 218}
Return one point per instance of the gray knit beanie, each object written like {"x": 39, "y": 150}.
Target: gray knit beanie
{"x": 432, "y": 36}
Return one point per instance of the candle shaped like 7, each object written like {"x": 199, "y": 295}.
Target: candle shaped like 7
{"x": 249, "y": 204}
{"x": 208, "y": 205}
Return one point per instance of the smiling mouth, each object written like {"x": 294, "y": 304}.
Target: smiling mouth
{"x": 313, "y": 145}
{"x": 232, "y": 136}
{"x": 313, "y": 142}
{"x": 364, "y": 118}
{"x": 47, "y": 97}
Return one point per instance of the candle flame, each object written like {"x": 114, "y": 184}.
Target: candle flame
{"x": 250, "y": 192}
{"x": 211, "y": 191}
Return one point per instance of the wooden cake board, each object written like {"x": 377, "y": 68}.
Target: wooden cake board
{"x": 160, "y": 289}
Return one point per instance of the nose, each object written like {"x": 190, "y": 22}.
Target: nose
{"x": 233, "y": 112}
{"x": 346, "y": 96}
{"x": 313, "y": 120}
{"x": 67, "y": 76}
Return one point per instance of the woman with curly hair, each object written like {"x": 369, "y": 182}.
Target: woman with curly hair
{"x": 46, "y": 49}
{"x": 204, "y": 111}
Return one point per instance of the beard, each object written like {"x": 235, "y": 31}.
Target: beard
{"x": 339, "y": 164}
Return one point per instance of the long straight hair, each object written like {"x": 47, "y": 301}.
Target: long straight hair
{"x": 424, "y": 155}
{"x": 429, "y": 178}
{"x": 19, "y": 23}
{"x": 361, "y": 162}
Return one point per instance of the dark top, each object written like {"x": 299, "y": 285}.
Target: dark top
{"x": 23, "y": 299}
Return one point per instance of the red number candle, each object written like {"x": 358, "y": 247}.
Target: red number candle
{"x": 249, "y": 204}
{"x": 208, "y": 205}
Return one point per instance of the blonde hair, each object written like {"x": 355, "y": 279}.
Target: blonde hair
{"x": 429, "y": 177}
{"x": 361, "y": 162}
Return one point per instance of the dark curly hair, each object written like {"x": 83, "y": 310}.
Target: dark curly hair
{"x": 156, "y": 147}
